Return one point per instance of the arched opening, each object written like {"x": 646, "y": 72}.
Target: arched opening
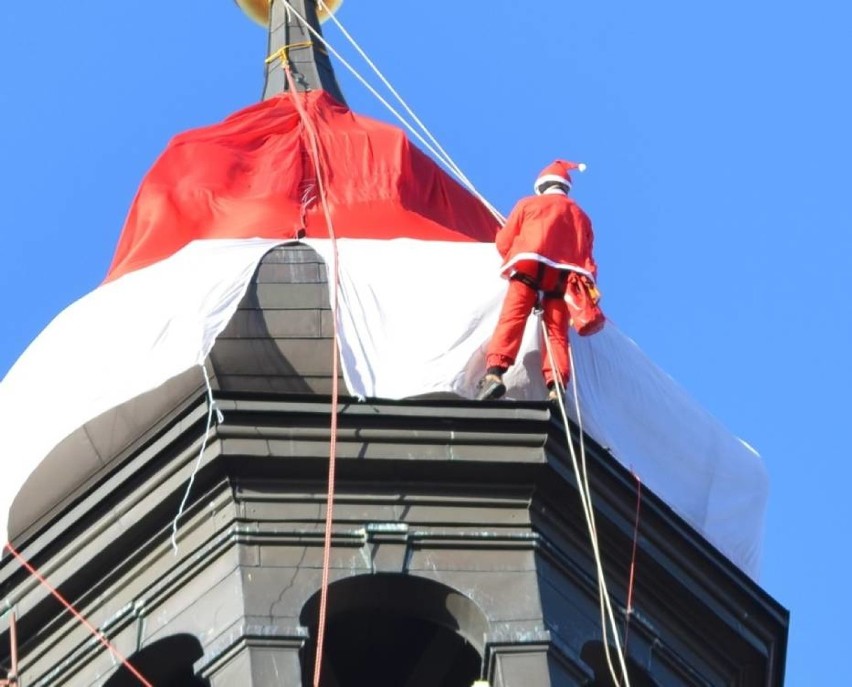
{"x": 595, "y": 657}
{"x": 395, "y": 631}
{"x": 165, "y": 663}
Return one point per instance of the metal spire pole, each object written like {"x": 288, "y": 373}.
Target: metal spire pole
{"x": 309, "y": 61}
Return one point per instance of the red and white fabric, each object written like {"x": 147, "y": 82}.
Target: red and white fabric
{"x": 220, "y": 197}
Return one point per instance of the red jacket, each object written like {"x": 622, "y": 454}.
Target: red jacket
{"x": 550, "y": 229}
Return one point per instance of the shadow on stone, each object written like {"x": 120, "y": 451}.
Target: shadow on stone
{"x": 167, "y": 662}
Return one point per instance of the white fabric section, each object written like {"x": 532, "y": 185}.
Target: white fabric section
{"x": 715, "y": 481}
{"x": 406, "y": 333}
{"x": 508, "y": 267}
{"x": 122, "y": 339}
{"x": 403, "y": 333}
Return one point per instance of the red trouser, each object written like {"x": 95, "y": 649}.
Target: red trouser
{"x": 506, "y": 341}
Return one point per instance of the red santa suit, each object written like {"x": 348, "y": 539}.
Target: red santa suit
{"x": 545, "y": 239}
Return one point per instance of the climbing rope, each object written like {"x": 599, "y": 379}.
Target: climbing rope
{"x": 632, "y": 580}
{"x": 97, "y": 634}
{"x": 212, "y": 407}
{"x": 581, "y": 475}
{"x": 313, "y": 139}
{"x": 445, "y": 160}
{"x": 445, "y": 156}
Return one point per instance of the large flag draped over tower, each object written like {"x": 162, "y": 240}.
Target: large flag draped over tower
{"x": 419, "y": 294}
{"x": 252, "y": 176}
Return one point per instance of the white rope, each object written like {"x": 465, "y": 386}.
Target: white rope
{"x": 446, "y": 156}
{"x": 447, "y": 163}
{"x": 581, "y": 475}
{"x": 212, "y": 407}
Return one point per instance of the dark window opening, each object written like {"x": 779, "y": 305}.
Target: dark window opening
{"x": 395, "y": 630}
{"x": 384, "y": 649}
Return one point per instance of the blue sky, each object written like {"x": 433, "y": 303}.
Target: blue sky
{"x": 719, "y": 148}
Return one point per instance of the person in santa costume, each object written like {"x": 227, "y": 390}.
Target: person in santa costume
{"x": 546, "y": 246}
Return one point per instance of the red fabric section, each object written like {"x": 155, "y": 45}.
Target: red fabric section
{"x": 552, "y": 226}
{"x": 250, "y": 175}
{"x": 506, "y": 341}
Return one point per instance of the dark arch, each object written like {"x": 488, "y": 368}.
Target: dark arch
{"x": 594, "y": 655}
{"x": 392, "y": 630}
{"x": 165, "y": 663}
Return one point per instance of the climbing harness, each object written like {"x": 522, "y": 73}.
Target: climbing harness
{"x": 537, "y": 284}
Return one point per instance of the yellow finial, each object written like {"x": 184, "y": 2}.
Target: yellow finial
{"x": 327, "y": 8}
{"x": 258, "y": 10}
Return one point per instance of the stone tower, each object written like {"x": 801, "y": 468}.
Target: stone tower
{"x": 459, "y": 546}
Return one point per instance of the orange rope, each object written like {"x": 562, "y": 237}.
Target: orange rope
{"x": 91, "y": 628}
{"x": 629, "y": 611}
{"x": 12, "y": 676}
{"x": 326, "y": 559}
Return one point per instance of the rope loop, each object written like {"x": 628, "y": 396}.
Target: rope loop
{"x": 283, "y": 53}
{"x": 212, "y": 410}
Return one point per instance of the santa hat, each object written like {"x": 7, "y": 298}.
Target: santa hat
{"x": 557, "y": 171}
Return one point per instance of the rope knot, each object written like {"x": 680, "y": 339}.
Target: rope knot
{"x": 283, "y": 53}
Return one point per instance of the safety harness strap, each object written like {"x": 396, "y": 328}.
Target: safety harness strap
{"x": 535, "y": 282}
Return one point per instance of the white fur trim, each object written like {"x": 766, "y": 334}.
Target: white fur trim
{"x": 508, "y": 268}
{"x": 550, "y": 177}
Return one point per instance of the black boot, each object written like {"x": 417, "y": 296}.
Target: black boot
{"x": 490, "y": 387}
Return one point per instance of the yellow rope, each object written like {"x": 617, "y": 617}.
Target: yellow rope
{"x": 283, "y": 53}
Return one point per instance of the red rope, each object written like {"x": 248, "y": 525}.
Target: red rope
{"x": 335, "y": 392}
{"x": 91, "y": 628}
{"x": 630, "y": 583}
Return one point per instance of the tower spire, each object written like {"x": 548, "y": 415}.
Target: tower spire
{"x": 308, "y": 58}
